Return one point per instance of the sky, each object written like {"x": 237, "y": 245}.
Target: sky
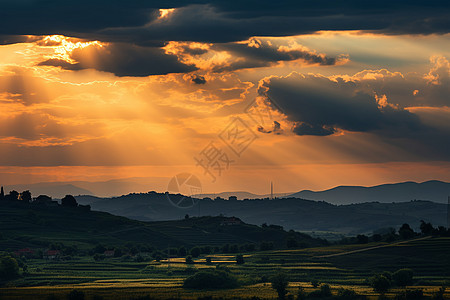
{"x": 304, "y": 94}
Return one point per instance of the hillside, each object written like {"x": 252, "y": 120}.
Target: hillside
{"x": 240, "y": 195}
{"x": 436, "y": 191}
{"x": 292, "y": 213}
{"x": 109, "y": 188}
{"x": 31, "y": 225}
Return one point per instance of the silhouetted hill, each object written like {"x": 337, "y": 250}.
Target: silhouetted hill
{"x": 109, "y": 188}
{"x": 32, "y": 225}
{"x": 436, "y": 191}
{"x": 52, "y": 189}
{"x": 292, "y": 213}
{"x": 239, "y": 194}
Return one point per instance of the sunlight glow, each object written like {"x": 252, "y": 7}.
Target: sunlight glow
{"x": 65, "y": 46}
{"x": 165, "y": 12}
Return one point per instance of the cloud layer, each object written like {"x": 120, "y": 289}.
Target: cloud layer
{"x": 216, "y": 21}
{"x": 388, "y": 105}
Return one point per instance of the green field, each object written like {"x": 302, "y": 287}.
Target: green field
{"x": 340, "y": 266}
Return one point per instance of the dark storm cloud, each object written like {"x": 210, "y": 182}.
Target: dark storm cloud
{"x": 258, "y": 53}
{"x": 123, "y": 60}
{"x": 275, "y": 130}
{"x": 217, "y": 21}
{"x": 320, "y": 106}
{"x": 198, "y": 79}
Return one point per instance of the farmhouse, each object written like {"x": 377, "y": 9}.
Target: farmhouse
{"x": 26, "y": 252}
{"x": 51, "y": 254}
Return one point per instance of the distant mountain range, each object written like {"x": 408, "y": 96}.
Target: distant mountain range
{"x": 387, "y": 205}
{"x": 436, "y": 191}
{"x": 110, "y": 188}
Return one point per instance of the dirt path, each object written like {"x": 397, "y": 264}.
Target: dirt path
{"x": 371, "y": 248}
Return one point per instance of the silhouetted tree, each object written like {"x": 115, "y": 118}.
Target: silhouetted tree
{"x": 380, "y": 283}
{"x": 69, "y": 200}
{"x": 186, "y": 217}
{"x": 279, "y": 283}
{"x": 2, "y": 194}
{"x": 9, "y": 268}
{"x": 426, "y": 228}
{"x": 206, "y": 249}
{"x": 189, "y": 259}
{"x": 75, "y": 295}
{"x": 211, "y": 279}
{"x": 182, "y": 251}
{"x": 362, "y": 239}
{"x": 403, "y": 277}
{"x": 195, "y": 252}
{"x": 314, "y": 282}
{"x": 376, "y": 237}
{"x": 12, "y": 196}
{"x": 406, "y": 232}
{"x": 239, "y": 259}
{"x": 26, "y": 196}
{"x": 43, "y": 199}
{"x": 234, "y": 248}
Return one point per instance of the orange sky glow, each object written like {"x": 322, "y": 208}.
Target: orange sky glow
{"x": 67, "y": 114}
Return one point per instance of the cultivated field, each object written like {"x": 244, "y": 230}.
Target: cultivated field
{"x": 339, "y": 266}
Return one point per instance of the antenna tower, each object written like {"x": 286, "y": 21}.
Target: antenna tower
{"x": 271, "y": 190}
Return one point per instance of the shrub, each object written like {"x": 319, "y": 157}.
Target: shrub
{"x": 362, "y": 239}
{"x": 239, "y": 259}
{"x": 195, "y": 252}
{"x": 380, "y": 283}
{"x": 406, "y": 232}
{"x": 316, "y": 294}
{"x": 403, "y": 277}
{"x": 189, "y": 259}
{"x": 347, "y": 294}
{"x": 325, "y": 290}
{"x": 315, "y": 282}
{"x": 410, "y": 295}
{"x": 377, "y": 237}
{"x": 211, "y": 279}
{"x": 208, "y": 260}
{"x": 301, "y": 295}
{"x": 388, "y": 275}
{"x": 9, "y": 268}
{"x": 279, "y": 283}
{"x": 439, "y": 295}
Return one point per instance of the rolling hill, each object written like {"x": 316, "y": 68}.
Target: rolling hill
{"x": 35, "y": 226}
{"x": 292, "y": 213}
{"x": 436, "y": 191}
